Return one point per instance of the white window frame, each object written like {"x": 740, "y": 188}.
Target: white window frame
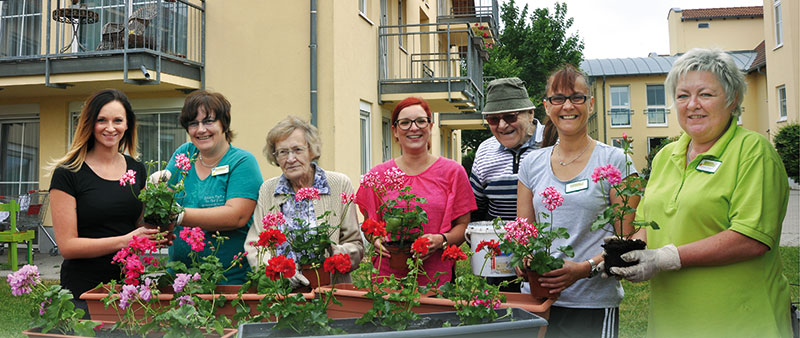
{"x": 363, "y": 11}
{"x": 364, "y": 119}
{"x": 662, "y": 108}
{"x": 782, "y": 108}
{"x": 25, "y": 119}
{"x": 619, "y": 108}
{"x": 778, "y": 18}
{"x": 386, "y": 126}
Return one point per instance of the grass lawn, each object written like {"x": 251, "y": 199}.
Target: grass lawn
{"x": 15, "y": 311}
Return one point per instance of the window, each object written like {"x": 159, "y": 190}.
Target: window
{"x": 702, "y": 25}
{"x": 656, "y": 106}
{"x": 401, "y": 21}
{"x": 782, "y": 103}
{"x": 19, "y": 160}
{"x": 654, "y": 143}
{"x": 387, "y": 139}
{"x": 620, "y": 107}
{"x": 20, "y": 27}
{"x": 172, "y": 18}
{"x": 364, "y": 119}
{"x": 616, "y": 142}
{"x": 158, "y": 135}
{"x": 778, "y": 24}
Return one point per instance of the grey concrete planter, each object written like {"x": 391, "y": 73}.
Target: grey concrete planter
{"x": 522, "y": 324}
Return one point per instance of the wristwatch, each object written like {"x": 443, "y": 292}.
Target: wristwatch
{"x": 444, "y": 241}
{"x": 594, "y": 271}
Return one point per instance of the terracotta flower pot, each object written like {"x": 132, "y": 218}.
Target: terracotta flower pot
{"x": 311, "y": 275}
{"x": 98, "y": 310}
{"x": 615, "y": 248}
{"x": 399, "y": 255}
{"x": 537, "y": 291}
{"x": 36, "y": 333}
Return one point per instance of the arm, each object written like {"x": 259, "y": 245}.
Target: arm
{"x": 65, "y": 227}
{"x": 233, "y": 215}
{"x": 480, "y": 198}
{"x": 525, "y": 202}
{"x": 723, "y": 248}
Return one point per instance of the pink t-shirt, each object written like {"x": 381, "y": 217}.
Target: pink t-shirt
{"x": 446, "y": 187}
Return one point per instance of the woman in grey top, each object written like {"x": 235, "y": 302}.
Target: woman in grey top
{"x": 586, "y": 306}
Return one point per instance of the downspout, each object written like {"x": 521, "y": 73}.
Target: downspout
{"x": 605, "y": 135}
{"x": 313, "y": 62}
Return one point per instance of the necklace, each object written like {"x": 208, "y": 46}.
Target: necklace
{"x": 203, "y": 163}
{"x": 561, "y": 160}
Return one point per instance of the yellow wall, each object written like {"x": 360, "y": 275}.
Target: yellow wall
{"x": 726, "y": 34}
{"x": 640, "y": 132}
{"x": 783, "y": 63}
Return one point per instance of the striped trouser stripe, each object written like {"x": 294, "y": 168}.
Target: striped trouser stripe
{"x": 609, "y": 321}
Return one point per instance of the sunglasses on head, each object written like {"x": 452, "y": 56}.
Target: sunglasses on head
{"x": 495, "y": 119}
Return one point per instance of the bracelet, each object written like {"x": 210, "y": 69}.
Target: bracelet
{"x": 593, "y": 271}
{"x": 444, "y": 241}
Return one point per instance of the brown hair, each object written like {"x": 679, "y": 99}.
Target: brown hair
{"x": 213, "y": 103}
{"x": 83, "y": 140}
{"x": 565, "y": 77}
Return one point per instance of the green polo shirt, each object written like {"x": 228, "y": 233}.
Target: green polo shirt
{"x": 739, "y": 184}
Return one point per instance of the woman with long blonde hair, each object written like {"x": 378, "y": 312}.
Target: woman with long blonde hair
{"x": 93, "y": 215}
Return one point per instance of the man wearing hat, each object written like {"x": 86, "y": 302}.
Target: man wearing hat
{"x": 509, "y": 113}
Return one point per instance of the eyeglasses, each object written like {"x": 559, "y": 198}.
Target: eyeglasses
{"x": 282, "y": 154}
{"x": 495, "y": 119}
{"x": 206, "y": 123}
{"x": 405, "y": 124}
{"x": 561, "y": 99}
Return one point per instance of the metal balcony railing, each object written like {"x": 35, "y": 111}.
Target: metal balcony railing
{"x": 51, "y": 30}
{"x": 432, "y": 58}
{"x": 487, "y": 11}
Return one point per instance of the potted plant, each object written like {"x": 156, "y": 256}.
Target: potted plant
{"x": 55, "y": 312}
{"x": 613, "y": 217}
{"x": 160, "y": 209}
{"x": 530, "y": 243}
{"x": 400, "y": 211}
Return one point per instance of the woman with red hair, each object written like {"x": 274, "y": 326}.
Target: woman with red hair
{"x": 441, "y": 181}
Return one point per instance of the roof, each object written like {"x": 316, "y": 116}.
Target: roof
{"x": 651, "y": 65}
{"x": 722, "y": 13}
{"x": 761, "y": 57}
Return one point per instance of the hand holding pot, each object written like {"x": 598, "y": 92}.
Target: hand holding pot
{"x": 380, "y": 248}
{"x": 559, "y": 279}
{"x": 159, "y": 176}
{"x": 298, "y": 279}
{"x": 650, "y": 262}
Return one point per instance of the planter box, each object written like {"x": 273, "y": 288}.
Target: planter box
{"x": 522, "y": 324}
{"x": 354, "y": 304}
{"x": 98, "y": 310}
{"x": 227, "y": 333}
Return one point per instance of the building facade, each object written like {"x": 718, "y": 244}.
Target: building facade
{"x": 342, "y": 65}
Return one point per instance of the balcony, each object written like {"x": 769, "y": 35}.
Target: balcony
{"x": 440, "y": 62}
{"x": 55, "y": 43}
{"x": 470, "y": 11}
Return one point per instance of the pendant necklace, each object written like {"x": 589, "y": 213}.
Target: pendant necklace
{"x": 203, "y": 163}
{"x": 561, "y": 160}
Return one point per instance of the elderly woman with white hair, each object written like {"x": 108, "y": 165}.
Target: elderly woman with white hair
{"x": 294, "y": 145}
{"x": 719, "y": 194}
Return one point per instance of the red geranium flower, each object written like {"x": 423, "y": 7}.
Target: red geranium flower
{"x": 421, "y": 245}
{"x": 493, "y": 247}
{"x": 374, "y": 228}
{"x": 453, "y": 253}
{"x": 337, "y": 263}
{"x": 280, "y": 265}
{"x": 271, "y": 237}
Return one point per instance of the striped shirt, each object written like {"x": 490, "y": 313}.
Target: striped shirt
{"x": 494, "y": 176}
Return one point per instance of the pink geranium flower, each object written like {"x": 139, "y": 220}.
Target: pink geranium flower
{"x": 128, "y": 178}
{"x": 348, "y": 198}
{"x": 520, "y": 231}
{"x": 307, "y": 193}
{"x": 195, "y": 237}
{"x": 182, "y": 162}
{"x": 608, "y": 172}
{"x": 552, "y": 199}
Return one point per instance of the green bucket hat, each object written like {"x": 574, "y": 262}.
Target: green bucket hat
{"x": 506, "y": 95}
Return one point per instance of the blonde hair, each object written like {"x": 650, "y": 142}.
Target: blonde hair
{"x": 83, "y": 140}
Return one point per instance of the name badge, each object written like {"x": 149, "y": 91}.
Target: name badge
{"x": 576, "y": 186}
{"x": 708, "y": 166}
{"x": 223, "y": 169}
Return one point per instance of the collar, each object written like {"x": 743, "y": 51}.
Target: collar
{"x": 532, "y": 141}
{"x": 678, "y": 155}
{"x": 320, "y": 182}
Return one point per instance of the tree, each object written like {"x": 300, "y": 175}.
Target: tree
{"x": 530, "y": 47}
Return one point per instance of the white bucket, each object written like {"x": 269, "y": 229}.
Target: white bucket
{"x": 499, "y": 266}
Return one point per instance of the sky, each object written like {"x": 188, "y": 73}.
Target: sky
{"x": 627, "y": 28}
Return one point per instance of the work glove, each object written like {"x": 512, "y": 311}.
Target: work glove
{"x": 178, "y": 219}
{"x": 159, "y": 176}
{"x": 298, "y": 279}
{"x": 650, "y": 262}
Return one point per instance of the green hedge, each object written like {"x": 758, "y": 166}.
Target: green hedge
{"x": 787, "y": 142}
